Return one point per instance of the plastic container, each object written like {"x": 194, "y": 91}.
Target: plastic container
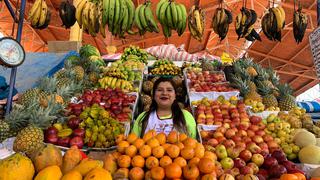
{"x": 203, "y": 127}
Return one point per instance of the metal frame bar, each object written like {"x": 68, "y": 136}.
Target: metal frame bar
{"x": 18, "y": 38}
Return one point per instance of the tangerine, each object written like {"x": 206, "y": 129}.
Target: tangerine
{"x": 173, "y": 171}
{"x": 145, "y": 151}
{"x": 157, "y": 173}
{"x": 158, "y": 152}
{"x": 165, "y": 160}
{"x": 124, "y": 161}
{"x": 138, "y": 161}
{"x": 173, "y": 151}
{"x": 136, "y": 173}
{"x": 152, "y": 162}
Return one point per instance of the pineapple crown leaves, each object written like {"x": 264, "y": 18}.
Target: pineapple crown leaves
{"x": 273, "y": 76}
{"x": 285, "y": 89}
{"x": 69, "y": 90}
{"x": 263, "y": 88}
{"x": 47, "y": 84}
{"x": 240, "y": 84}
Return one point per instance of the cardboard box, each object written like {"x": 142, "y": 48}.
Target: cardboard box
{"x": 63, "y": 46}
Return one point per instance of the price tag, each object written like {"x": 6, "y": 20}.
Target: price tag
{"x": 209, "y": 127}
{"x": 314, "y": 40}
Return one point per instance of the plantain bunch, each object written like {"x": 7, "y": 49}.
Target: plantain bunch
{"x": 244, "y": 25}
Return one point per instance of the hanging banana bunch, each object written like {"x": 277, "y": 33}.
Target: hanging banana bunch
{"x": 67, "y": 13}
{"x": 220, "y": 22}
{"x": 118, "y": 15}
{"x": 244, "y": 24}
{"x": 172, "y": 16}
{"x": 39, "y": 15}
{"x": 196, "y": 22}
{"x": 273, "y": 22}
{"x": 144, "y": 19}
{"x": 300, "y": 23}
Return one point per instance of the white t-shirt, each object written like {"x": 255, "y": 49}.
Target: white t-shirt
{"x": 155, "y": 123}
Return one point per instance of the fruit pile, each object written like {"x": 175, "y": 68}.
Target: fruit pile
{"x": 282, "y": 133}
{"x": 157, "y": 156}
{"x": 113, "y": 83}
{"x": 165, "y": 67}
{"x": 94, "y": 128}
{"x": 135, "y": 54}
{"x": 129, "y": 65}
{"x": 48, "y": 162}
{"x": 122, "y": 73}
{"x": 115, "y": 101}
{"x": 206, "y": 76}
{"x": 216, "y": 112}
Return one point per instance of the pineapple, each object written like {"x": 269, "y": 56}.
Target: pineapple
{"x": 4, "y": 130}
{"x": 246, "y": 92}
{"x": 268, "y": 99}
{"x": 62, "y": 73}
{"x": 78, "y": 72}
{"x": 93, "y": 77}
{"x": 63, "y": 82}
{"x": 251, "y": 71}
{"x": 286, "y": 100}
{"x": 31, "y": 94}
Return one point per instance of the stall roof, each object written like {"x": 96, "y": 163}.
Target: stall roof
{"x": 292, "y": 61}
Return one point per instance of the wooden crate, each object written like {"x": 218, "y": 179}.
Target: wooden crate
{"x": 63, "y": 46}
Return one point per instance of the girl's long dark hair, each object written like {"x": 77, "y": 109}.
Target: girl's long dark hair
{"x": 179, "y": 122}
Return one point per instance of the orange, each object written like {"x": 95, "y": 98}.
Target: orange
{"x": 194, "y": 161}
{"x": 158, "y": 152}
{"x": 180, "y": 145}
{"x": 173, "y": 171}
{"x": 172, "y": 137}
{"x": 187, "y": 153}
{"x": 173, "y": 151}
{"x": 153, "y": 142}
{"x": 190, "y": 172}
{"x": 206, "y": 165}
{"x": 124, "y": 161}
{"x": 138, "y": 143}
{"x": 145, "y": 151}
{"x": 157, "y": 173}
{"x": 131, "y": 138}
{"x": 150, "y": 134}
{"x": 138, "y": 161}
{"x": 162, "y": 138}
{"x": 288, "y": 177}
{"x": 300, "y": 176}
{"x": 190, "y": 142}
{"x": 136, "y": 173}
{"x": 165, "y": 160}
{"x": 152, "y": 162}
{"x": 122, "y": 145}
{"x": 182, "y": 137}
{"x": 180, "y": 161}
{"x": 131, "y": 151}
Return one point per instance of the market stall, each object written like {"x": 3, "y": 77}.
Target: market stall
{"x": 76, "y": 122}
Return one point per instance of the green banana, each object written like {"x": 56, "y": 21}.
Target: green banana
{"x": 166, "y": 30}
{"x": 174, "y": 14}
{"x": 183, "y": 19}
{"x": 131, "y": 10}
{"x": 125, "y": 20}
{"x": 162, "y": 15}
{"x": 150, "y": 19}
{"x": 169, "y": 17}
{"x": 136, "y": 17}
{"x": 158, "y": 8}
{"x": 111, "y": 12}
{"x": 105, "y": 11}
{"x": 142, "y": 17}
{"x": 117, "y": 12}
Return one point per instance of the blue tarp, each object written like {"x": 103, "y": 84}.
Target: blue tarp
{"x": 35, "y": 66}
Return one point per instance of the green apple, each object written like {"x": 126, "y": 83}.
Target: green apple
{"x": 292, "y": 156}
{"x": 287, "y": 149}
{"x": 221, "y": 151}
{"x": 257, "y": 159}
{"x": 295, "y": 149}
{"x": 227, "y": 163}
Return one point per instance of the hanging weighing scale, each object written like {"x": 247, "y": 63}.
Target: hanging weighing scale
{"x": 12, "y": 53}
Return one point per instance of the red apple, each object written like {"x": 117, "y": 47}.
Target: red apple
{"x": 241, "y": 145}
{"x": 245, "y": 155}
{"x": 246, "y": 139}
{"x": 228, "y": 143}
{"x": 257, "y": 159}
{"x": 234, "y": 172}
{"x": 221, "y": 129}
{"x": 226, "y": 125}
{"x": 51, "y": 130}
{"x": 277, "y": 170}
{"x": 267, "y": 138}
{"x": 74, "y": 122}
{"x": 253, "y": 148}
{"x": 255, "y": 119}
{"x": 263, "y": 173}
{"x": 289, "y": 165}
{"x": 251, "y": 133}
{"x": 213, "y": 142}
{"x": 261, "y": 177}
{"x": 263, "y": 146}
{"x": 79, "y": 132}
{"x": 260, "y": 133}
{"x": 279, "y": 155}
{"x": 218, "y": 134}
{"x": 63, "y": 141}
{"x": 220, "y": 139}
{"x": 76, "y": 141}
{"x": 254, "y": 127}
{"x": 233, "y": 152}
{"x": 236, "y": 138}
{"x": 229, "y": 133}
{"x": 239, "y": 163}
{"x": 269, "y": 161}
{"x": 262, "y": 126}
{"x": 242, "y": 133}
{"x": 51, "y": 138}
{"x": 254, "y": 167}
{"x": 257, "y": 139}
{"x": 246, "y": 170}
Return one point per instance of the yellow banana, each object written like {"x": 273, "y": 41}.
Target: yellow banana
{"x": 44, "y": 11}
{"x": 35, "y": 19}
{"x": 34, "y": 8}
{"x": 79, "y": 9}
{"x": 197, "y": 17}
{"x": 278, "y": 15}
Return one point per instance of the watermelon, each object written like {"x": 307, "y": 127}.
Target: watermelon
{"x": 88, "y": 50}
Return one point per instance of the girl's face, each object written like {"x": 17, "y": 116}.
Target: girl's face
{"x": 165, "y": 94}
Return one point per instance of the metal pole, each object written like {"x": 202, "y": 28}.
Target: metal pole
{"x": 318, "y": 10}
{"x": 11, "y": 11}
{"x": 14, "y": 70}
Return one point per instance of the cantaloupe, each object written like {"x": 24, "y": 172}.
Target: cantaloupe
{"x": 310, "y": 154}
{"x": 318, "y": 142}
{"x": 304, "y": 138}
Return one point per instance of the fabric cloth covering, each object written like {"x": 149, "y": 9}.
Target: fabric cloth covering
{"x": 4, "y": 89}
{"x": 35, "y": 66}
{"x": 310, "y": 106}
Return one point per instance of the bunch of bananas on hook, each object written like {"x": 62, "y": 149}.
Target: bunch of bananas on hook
{"x": 220, "y": 22}
{"x": 300, "y": 23}
{"x": 39, "y": 15}
{"x": 196, "y": 22}
{"x": 273, "y": 22}
{"x": 88, "y": 15}
{"x": 172, "y": 16}
{"x": 144, "y": 19}
{"x": 119, "y": 16}
{"x": 67, "y": 13}
{"x": 245, "y": 25}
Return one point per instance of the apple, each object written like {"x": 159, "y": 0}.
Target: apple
{"x": 251, "y": 133}
{"x": 236, "y": 138}
{"x": 74, "y": 122}
{"x": 239, "y": 163}
{"x": 242, "y": 133}
{"x": 51, "y": 138}
{"x": 63, "y": 141}
{"x": 289, "y": 165}
{"x": 228, "y": 143}
{"x": 233, "y": 152}
{"x": 240, "y": 176}
{"x": 260, "y": 133}
{"x": 220, "y": 139}
{"x": 245, "y": 155}
{"x": 246, "y": 170}
{"x": 246, "y": 139}
{"x": 255, "y": 119}
{"x": 292, "y": 171}
{"x": 221, "y": 151}
{"x": 79, "y": 132}
{"x": 254, "y": 167}
{"x": 267, "y": 137}
{"x": 272, "y": 145}
{"x": 218, "y": 134}
{"x": 263, "y": 173}
{"x": 265, "y": 153}
{"x": 263, "y": 146}
{"x": 213, "y": 142}
{"x": 226, "y": 125}
{"x": 76, "y": 141}
{"x": 227, "y": 163}
{"x": 229, "y": 133}
{"x": 253, "y": 148}
{"x": 257, "y": 159}
{"x": 257, "y": 139}
{"x": 234, "y": 172}
{"x": 243, "y": 125}
{"x": 261, "y": 177}
{"x": 269, "y": 161}
{"x": 254, "y": 127}
{"x": 277, "y": 170}
{"x": 204, "y": 134}
{"x": 51, "y": 130}
{"x": 279, "y": 155}
{"x": 241, "y": 145}
{"x": 261, "y": 126}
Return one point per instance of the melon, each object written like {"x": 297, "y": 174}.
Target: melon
{"x": 310, "y": 154}
{"x": 304, "y": 138}
{"x": 318, "y": 142}
{"x": 315, "y": 173}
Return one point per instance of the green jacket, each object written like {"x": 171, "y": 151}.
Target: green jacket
{"x": 190, "y": 122}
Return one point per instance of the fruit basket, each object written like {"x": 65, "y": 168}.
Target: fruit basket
{"x": 205, "y": 129}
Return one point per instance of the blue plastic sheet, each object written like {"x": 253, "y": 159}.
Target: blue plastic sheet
{"x": 35, "y": 66}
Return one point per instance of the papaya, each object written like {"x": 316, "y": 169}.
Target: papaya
{"x": 72, "y": 175}
{"x": 48, "y": 156}
{"x": 71, "y": 159}
{"x": 98, "y": 174}
{"x": 49, "y": 173}
{"x": 86, "y": 165}
{"x": 16, "y": 167}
